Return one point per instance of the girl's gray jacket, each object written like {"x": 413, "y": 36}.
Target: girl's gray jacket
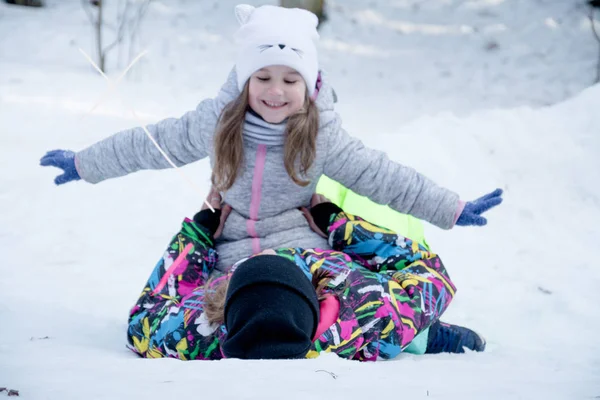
{"x": 264, "y": 199}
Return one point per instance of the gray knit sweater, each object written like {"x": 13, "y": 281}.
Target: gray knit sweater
{"x": 263, "y": 197}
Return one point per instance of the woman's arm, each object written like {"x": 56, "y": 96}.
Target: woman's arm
{"x": 369, "y": 245}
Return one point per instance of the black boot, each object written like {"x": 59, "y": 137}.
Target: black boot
{"x": 447, "y": 338}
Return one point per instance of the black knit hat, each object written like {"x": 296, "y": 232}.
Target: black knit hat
{"x": 271, "y": 310}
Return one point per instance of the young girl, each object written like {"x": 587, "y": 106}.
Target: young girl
{"x": 369, "y": 297}
{"x": 270, "y": 133}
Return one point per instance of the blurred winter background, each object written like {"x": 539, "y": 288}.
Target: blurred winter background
{"x": 476, "y": 94}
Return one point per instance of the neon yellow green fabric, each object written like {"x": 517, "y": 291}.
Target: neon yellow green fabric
{"x": 384, "y": 216}
{"x": 377, "y": 214}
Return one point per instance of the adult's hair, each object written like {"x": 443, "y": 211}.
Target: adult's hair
{"x": 215, "y": 295}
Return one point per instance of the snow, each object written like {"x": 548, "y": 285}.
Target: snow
{"x": 475, "y": 94}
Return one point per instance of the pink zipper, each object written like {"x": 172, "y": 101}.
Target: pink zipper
{"x": 259, "y": 168}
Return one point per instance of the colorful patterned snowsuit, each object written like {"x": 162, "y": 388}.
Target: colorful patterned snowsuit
{"x": 389, "y": 289}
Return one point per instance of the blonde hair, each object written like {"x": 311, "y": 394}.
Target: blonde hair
{"x": 214, "y": 297}
{"x": 300, "y": 141}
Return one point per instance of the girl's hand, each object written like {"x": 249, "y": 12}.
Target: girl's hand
{"x": 471, "y": 214}
{"x": 316, "y": 199}
{"x": 65, "y": 160}
{"x": 216, "y": 201}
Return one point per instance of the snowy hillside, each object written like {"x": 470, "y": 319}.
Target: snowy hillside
{"x": 476, "y": 94}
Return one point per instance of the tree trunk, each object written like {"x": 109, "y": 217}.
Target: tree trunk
{"x": 314, "y": 6}
{"x": 99, "y": 37}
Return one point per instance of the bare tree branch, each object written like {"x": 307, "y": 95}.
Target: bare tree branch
{"x": 87, "y": 9}
{"x": 593, "y": 23}
{"x": 135, "y": 26}
{"x": 121, "y": 19}
{"x": 141, "y": 12}
{"x": 99, "y": 35}
{"x": 128, "y": 21}
{"x": 121, "y": 30}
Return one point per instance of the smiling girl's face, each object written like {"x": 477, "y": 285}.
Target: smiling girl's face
{"x": 276, "y": 92}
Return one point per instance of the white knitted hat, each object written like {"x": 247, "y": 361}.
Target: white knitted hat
{"x": 271, "y": 35}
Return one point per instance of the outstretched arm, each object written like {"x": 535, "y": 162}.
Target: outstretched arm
{"x": 184, "y": 140}
{"x": 371, "y": 173}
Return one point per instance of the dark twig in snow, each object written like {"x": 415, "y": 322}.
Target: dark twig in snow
{"x": 334, "y": 376}
{"x": 39, "y": 338}
{"x": 545, "y": 291}
{"x": 9, "y": 392}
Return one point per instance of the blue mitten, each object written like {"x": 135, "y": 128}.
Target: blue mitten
{"x": 471, "y": 214}
{"x": 64, "y": 159}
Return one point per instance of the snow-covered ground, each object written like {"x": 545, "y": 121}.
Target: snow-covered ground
{"x": 475, "y": 94}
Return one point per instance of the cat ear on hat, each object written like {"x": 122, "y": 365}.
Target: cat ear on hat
{"x": 308, "y": 17}
{"x": 243, "y": 13}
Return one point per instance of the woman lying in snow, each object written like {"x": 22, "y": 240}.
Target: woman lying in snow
{"x": 364, "y": 300}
